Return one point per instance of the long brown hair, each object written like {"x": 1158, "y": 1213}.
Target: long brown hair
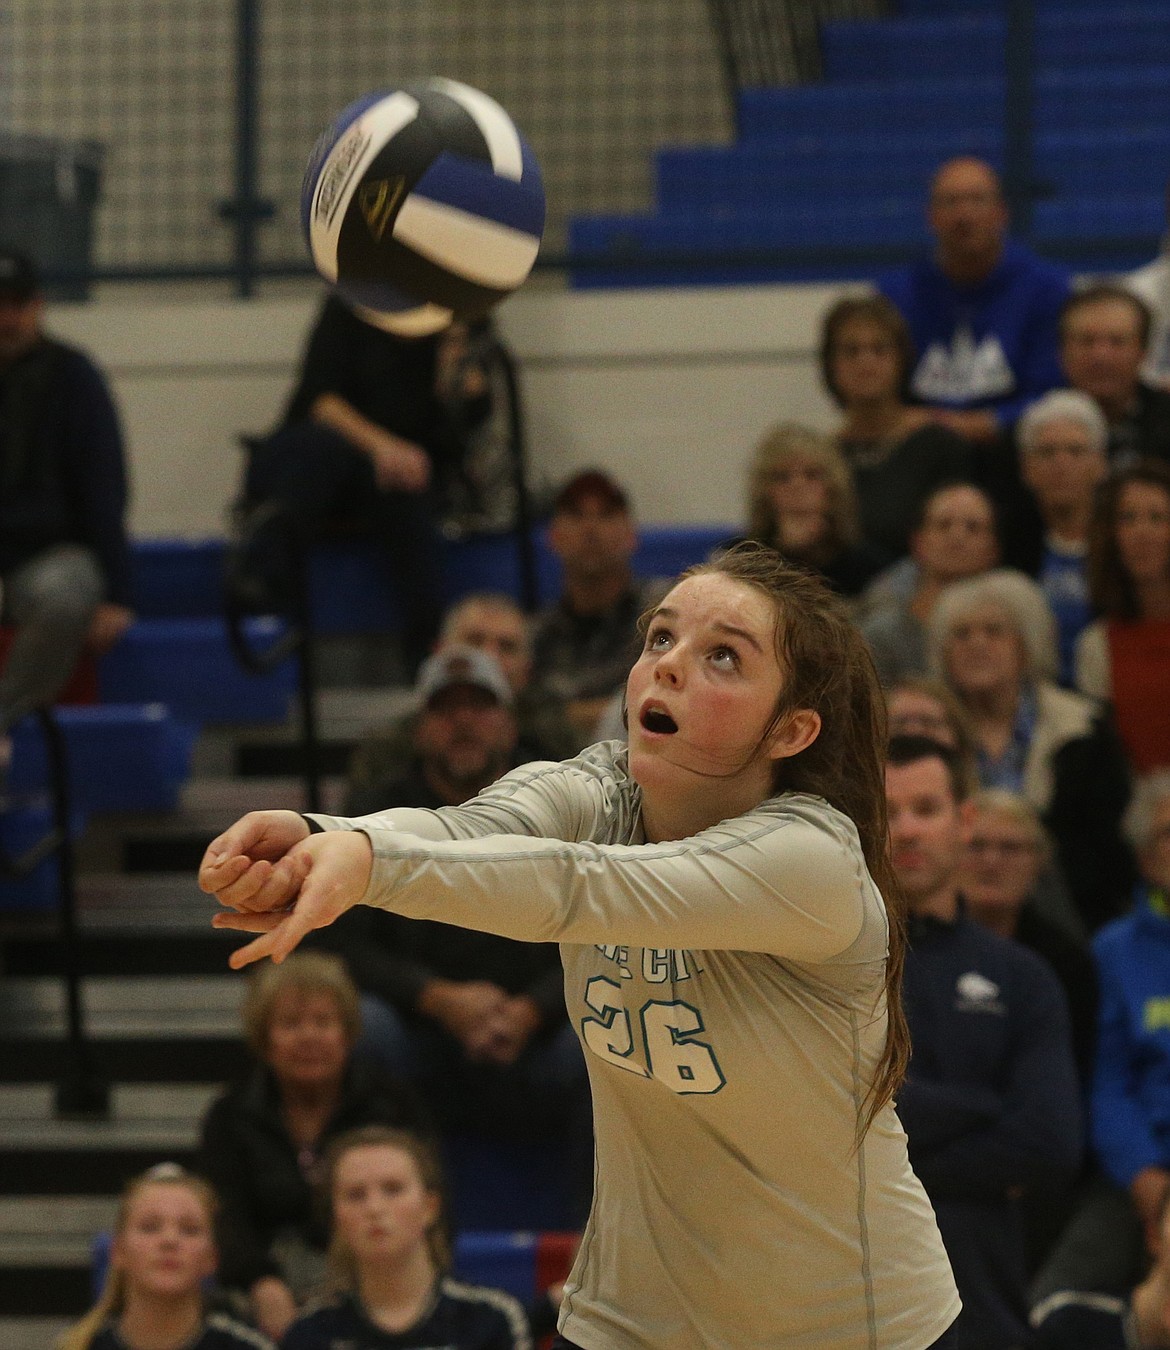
{"x": 341, "y": 1270}
{"x": 829, "y": 669}
{"x": 112, "y": 1300}
{"x": 1111, "y": 588}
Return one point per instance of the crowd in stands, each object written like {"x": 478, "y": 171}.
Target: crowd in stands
{"x": 994, "y": 508}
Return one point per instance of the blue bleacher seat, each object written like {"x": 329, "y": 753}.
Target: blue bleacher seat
{"x": 122, "y": 757}
{"x": 189, "y": 665}
{"x": 22, "y": 826}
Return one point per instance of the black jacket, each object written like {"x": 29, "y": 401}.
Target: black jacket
{"x": 264, "y": 1187}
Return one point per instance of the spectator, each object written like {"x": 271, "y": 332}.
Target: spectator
{"x": 1062, "y": 443}
{"x": 992, "y": 639}
{"x": 801, "y": 503}
{"x": 921, "y": 706}
{"x": 163, "y": 1254}
{"x": 1131, "y": 1086}
{"x": 1085, "y": 1320}
{"x": 367, "y": 435}
{"x": 1104, "y": 337}
{"x": 982, "y": 311}
{"x": 263, "y": 1141}
{"x": 896, "y": 453}
{"x": 1151, "y": 284}
{"x": 1125, "y": 656}
{"x": 475, "y": 1020}
{"x": 990, "y": 1103}
{"x": 493, "y": 623}
{"x": 954, "y": 538}
{"x": 584, "y": 644}
{"x": 389, "y": 1257}
{"x": 64, "y": 564}
{"x": 1001, "y": 876}
{"x": 463, "y": 738}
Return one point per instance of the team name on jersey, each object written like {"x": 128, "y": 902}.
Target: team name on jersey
{"x": 660, "y": 965}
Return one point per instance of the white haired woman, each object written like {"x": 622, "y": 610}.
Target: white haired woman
{"x": 992, "y": 639}
{"x": 1063, "y": 448}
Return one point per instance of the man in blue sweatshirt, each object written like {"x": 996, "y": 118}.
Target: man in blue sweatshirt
{"x": 983, "y": 309}
{"x": 990, "y": 1105}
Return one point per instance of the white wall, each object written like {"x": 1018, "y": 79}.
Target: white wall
{"x": 668, "y": 389}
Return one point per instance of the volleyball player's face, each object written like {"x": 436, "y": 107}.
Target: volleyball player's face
{"x": 381, "y": 1208}
{"x": 705, "y": 688}
{"x": 165, "y": 1247}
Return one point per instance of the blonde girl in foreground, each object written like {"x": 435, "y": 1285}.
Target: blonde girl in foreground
{"x": 732, "y": 943}
{"x": 162, "y": 1254}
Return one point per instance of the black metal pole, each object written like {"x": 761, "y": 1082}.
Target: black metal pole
{"x": 246, "y": 209}
{"x": 1019, "y": 177}
{"x": 80, "y": 1091}
{"x": 307, "y": 681}
{"x": 517, "y": 440}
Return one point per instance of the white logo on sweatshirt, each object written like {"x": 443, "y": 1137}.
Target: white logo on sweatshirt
{"x": 976, "y": 993}
{"x": 965, "y": 372}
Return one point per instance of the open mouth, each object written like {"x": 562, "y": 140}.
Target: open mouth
{"x": 659, "y": 721}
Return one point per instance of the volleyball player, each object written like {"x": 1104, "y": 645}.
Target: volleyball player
{"x": 730, "y": 964}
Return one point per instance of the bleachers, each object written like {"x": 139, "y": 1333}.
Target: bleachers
{"x": 844, "y": 164}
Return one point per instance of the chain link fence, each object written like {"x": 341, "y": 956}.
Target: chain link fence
{"x": 149, "y": 88}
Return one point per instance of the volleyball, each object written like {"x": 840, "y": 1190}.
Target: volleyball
{"x": 422, "y": 205}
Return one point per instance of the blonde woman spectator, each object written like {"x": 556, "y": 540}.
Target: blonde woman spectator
{"x": 263, "y": 1141}
{"x": 992, "y": 639}
{"x": 801, "y": 503}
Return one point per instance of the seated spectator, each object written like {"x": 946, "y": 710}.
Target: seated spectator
{"x": 990, "y": 1103}
{"x": 1062, "y": 440}
{"x": 1104, "y": 338}
{"x": 1002, "y": 869}
{"x": 162, "y": 1256}
{"x": 464, "y": 737}
{"x": 1124, "y": 657}
{"x": 1151, "y": 284}
{"x": 954, "y": 538}
{"x": 389, "y": 1258}
{"x": 982, "y": 310}
{"x": 921, "y": 706}
{"x": 493, "y": 624}
{"x": 1084, "y": 1320}
{"x": 992, "y": 639}
{"x": 263, "y": 1142}
{"x": 896, "y": 453}
{"x": 1131, "y": 1096}
{"x": 476, "y": 1021}
{"x": 584, "y": 644}
{"x": 366, "y": 437}
{"x": 801, "y": 503}
{"x": 64, "y": 562}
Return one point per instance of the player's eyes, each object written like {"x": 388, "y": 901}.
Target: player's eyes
{"x": 726, "y": 658}
{"x": 657, "y": 640}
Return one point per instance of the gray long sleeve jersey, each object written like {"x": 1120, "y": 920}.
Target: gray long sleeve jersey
{"x": 729, "y": 991}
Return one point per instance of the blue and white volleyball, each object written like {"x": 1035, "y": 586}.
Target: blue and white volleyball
{"x": 422, "y": 205}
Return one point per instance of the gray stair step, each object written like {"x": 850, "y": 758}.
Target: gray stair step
{"x": 142, "y": 901}
{"x": 51, "y": 1230}
{"x": 159, "y": 1116}
{"x": 32, "y": 1333}
{"x": 187, "y": 1006}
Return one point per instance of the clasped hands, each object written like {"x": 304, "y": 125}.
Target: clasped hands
{"x": 275, "y": 878}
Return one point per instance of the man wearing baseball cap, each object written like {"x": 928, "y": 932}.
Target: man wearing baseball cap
{"x": 584, "y": 644}
{"x": 476, "y": 1021}
{"x": 64, "y": 566}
